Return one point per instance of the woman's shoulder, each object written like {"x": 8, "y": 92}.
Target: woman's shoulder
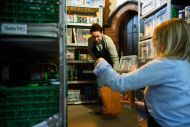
{"x": 163, "y": 62}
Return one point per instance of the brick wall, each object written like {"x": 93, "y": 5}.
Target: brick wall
{"x": 112, "y": 29}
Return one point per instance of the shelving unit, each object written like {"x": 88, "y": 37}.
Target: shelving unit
{"x": 81, "y": 80}
{"x": 32, "y": 51}
{"x": 157, "y": 12}
{"x": 152, "y": 13}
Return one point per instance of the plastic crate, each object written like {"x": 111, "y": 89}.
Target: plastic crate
{"x": 20, "y": 123}
{"x": 28, "y": 102}
{"x": 32, "y": 11}
{"x": 160, "y": 16}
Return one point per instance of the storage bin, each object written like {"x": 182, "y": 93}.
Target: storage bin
{"x": 20, "y": 123}
{"x": 148, "y": 6}
{"x": 18, "y": 103}
{"x": 29, "y": 11}
{"x": 149, "y": 25}
{"x": 160, "y": 16}
{"x": 73, "y": 96}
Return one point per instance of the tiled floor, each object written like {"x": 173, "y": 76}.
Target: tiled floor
{"x": 84, "y": 116}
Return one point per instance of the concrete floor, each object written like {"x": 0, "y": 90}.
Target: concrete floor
{"x": 84, "y": 116}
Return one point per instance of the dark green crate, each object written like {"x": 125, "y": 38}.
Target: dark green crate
{"x": 28, "y": 102}
{"x": 21, "y": 123}
{"x": 35, "y": 11}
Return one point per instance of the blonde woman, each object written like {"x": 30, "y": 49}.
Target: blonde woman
{"x": 166, "y": 78}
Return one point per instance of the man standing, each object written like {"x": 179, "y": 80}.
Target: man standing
{"x": 100, "y": 45}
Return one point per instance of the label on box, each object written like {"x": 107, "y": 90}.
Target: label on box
{"x": 13, "y": 29}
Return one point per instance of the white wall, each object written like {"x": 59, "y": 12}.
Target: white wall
{"x": 119, "y": 2}
{"x": 116, "y": 3}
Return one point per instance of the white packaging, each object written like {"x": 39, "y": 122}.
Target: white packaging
{"x": 187, "y": 12}
{"x": 148, "y": 6}
{"x": 146, "y": 50}
{"x": 159, "y": 3}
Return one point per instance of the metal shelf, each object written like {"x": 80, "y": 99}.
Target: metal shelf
{"x": 29, "y": 48}
{"x": 77, "y": 44}
{"x": 32, "y": 29}
{"x": 77, "y": 47}
{"x": 82, "y": 82}
{"x": 78, "y": 24}
{"x": 80, "y": 61}
{"x": 83, "y": 102}
{"x": 145, "y": 38}
{"x": 93, "y": 11}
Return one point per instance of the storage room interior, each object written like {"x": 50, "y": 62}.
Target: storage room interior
{"x": 46, "y": 71}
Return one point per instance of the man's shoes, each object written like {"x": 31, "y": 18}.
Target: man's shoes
{"x": 98, "y": 112}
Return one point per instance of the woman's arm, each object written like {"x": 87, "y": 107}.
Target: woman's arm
{"x": 153, "y": 73}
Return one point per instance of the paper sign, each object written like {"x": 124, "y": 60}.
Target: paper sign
{"x": 13, "y": 29}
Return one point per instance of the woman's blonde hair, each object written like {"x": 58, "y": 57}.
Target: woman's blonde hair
{"x": 171, "y": 39}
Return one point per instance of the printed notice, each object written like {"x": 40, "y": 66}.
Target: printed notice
{"x": 7, "y": 28}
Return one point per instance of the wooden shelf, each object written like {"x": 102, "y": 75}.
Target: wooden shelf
{"x": 143, "y": 38}
{"x": 82, "y": 9}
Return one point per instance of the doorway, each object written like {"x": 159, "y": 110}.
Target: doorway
{"x": 128, "y": 34}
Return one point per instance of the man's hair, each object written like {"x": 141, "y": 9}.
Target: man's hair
{"x": 95, "y": 27}
{"x": 171, "y": 39}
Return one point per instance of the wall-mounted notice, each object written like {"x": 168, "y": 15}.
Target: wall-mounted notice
{"x": 7, "y": 28}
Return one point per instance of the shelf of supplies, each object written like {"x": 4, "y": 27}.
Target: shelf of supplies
{"x": 78, "y": 24}
{"x": 145, "y": 37}
{"x": 154, "y": 10}
{"x": 32, "y": 29}
{"x": 83, "y": 102}
{"x": 82, "y": 9}
{"x": 77, "y": 44}
{"x": 82, "y": 82}
{"x": 77, "y": 47}
{"x": 79, "y": 61}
